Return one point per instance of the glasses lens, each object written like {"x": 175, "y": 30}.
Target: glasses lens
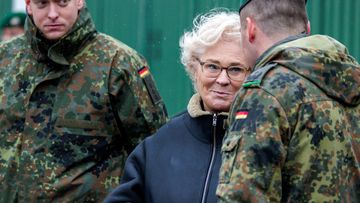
{"x": 236, "y": 73}
{"x": 211, "y": 70}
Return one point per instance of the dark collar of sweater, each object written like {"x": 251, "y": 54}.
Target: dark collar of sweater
{"x": 200, "y": 123}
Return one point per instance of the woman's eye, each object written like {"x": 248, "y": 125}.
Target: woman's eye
{"x": 212, "y": 66}
{"x": 236, "y": 70}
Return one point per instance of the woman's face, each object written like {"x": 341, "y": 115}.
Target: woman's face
{"x": 217, "y": 93}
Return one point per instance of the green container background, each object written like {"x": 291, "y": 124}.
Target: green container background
{"x": 153, "y": 28}
{"x": 5, "y": 6}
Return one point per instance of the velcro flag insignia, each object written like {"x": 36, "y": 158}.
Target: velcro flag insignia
{"x": 144, "y": 71}
{"x": 240, "y": 115}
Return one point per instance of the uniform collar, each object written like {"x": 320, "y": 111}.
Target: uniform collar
{"x": 264, "y": 57}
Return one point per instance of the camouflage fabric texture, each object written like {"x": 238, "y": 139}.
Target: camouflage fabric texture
{"x": 70, "y": 113}
{"x": 294, "y": 131}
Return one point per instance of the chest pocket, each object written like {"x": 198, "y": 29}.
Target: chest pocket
{"x": 234, "y": 146}
{"x": 83, "y": 129}
{"x": 229, "y": 154}
{"x": 80, "y": 127}
{"x": 82, "y": 105}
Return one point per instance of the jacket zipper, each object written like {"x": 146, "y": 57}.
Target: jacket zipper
{"x": 207, "y": 180}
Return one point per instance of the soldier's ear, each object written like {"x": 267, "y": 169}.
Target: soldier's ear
{"x": 28, "y": 9}
{"x": 251, "y": 29}
{"x": 80, "y": 4}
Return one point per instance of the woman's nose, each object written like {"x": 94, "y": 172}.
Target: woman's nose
{"x": 223, "y": 78}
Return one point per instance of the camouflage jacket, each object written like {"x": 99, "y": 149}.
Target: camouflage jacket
{"x": 295, "y": 127}
{"x": 69, "y": 114}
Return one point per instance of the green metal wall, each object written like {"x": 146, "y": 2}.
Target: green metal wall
{"x": 153, "y": 27}
{"x": 5, "y": 6}
{"x": 338, "y": 19}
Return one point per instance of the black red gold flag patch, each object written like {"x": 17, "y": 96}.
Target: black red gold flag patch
{"x": 145, "y": 75}
{"x": 144, "y": 71}
{"x": 240, "y": 115}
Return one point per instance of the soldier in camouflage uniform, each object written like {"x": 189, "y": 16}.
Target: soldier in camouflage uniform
{"x": 295, "y": 124}
{"x": 74, "y": 102}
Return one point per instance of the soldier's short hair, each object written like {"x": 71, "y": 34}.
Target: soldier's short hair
{"x": 208, "y": 29}
{"x": 275, "y": 16}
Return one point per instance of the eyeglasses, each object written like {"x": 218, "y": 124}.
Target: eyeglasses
{"x": 213, "y": 70}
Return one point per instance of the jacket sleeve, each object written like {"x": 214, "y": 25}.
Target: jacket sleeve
{"x": 131, "y": 188}
{"x": 135, "y": 98}
{"x": 253, "y": 151}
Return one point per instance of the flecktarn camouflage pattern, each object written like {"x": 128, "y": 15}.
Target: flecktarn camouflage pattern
{"x": 294, "y": 132}
{"x": 69, "y": 114}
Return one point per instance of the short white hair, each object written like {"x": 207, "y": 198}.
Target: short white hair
{"x": 209, "y": 28}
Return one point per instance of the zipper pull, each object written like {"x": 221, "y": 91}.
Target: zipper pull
{"x": 214, "y": 119}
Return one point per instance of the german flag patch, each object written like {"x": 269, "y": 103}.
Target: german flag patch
{"x": 145, "y": 75}
{"x": 144, "y": 71}
{"x": 244, "y": 121}
{"x": 241, "y": 115}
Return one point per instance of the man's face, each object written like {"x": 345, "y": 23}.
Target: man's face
{"x": 54, "y": 18}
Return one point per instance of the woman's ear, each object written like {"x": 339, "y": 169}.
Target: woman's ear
{"x": 80, "y": 4}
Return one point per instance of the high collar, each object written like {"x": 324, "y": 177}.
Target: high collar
{"x": 200, "y": 122}
{"x": 195, "y": 110}
{"x": 264, "y": 57}
{"x": 320, "y": 59}
{"x": 63, "y": 50}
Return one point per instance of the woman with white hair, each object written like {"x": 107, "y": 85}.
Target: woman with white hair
{"x": 181, "y": 162}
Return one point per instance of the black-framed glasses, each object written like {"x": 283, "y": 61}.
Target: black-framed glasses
{"x": 234, "y": 72}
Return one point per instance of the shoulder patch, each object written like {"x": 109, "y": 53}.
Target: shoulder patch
{"x": 252, "y": 83}
{"x": 244, "y": 120}
{"x": 241, "y": 115}
{"x": 145, "y": 75}
{"x": 144, "y": 71}
{"x": 256, "y": 77}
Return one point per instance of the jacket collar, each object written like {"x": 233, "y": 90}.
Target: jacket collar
{"x": 323, "y": 61}
{"x": 63, "y": 50}
{"x": 195, "y": 110}
{"x": 200, "y": 122}
{"x": 268, "y": 53}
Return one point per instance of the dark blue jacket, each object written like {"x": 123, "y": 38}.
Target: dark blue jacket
{"x": 177, "y": 164}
